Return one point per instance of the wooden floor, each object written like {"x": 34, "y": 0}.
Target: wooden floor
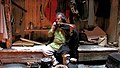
{"x": 31, "y": 54}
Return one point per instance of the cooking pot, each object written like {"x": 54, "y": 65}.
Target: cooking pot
{"x": 46, "y": 62}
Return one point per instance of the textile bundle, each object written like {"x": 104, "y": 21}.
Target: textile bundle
{"x": 3, "y": 27}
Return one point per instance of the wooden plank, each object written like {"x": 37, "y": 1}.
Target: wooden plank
{"x": 34, "y": 42}
{"x": 26, "y": 15}
{"x": 94, "y": 52}
{"x": 22, "y": 43}
{"x": 37, "y": 13}
{"x": 96, "y": 48}
{"x": 93, "y": 56}
{"x": 20, "y": 56}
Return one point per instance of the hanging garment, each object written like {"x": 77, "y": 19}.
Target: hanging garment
{"x": 50, "y": 10}
{"x": 3, "y": 27}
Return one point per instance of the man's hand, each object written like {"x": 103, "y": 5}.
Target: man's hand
{"x": 54, "y": 26}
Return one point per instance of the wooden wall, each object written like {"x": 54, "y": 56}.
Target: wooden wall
{"x": 18, "y": 24}
{"x": 35, "y": 13}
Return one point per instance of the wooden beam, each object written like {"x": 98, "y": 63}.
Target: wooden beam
{"x": 8, "y": 12}
{"x": 112, "y": 30}
{"x": 30, "y": 41}
{"x": 18, "y": 6}
{"x": 91, "y": 13}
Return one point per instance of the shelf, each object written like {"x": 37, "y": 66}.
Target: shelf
{"x": 37, "y": 30}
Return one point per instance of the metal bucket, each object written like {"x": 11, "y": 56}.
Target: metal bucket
{"x": 46, "y": 62}
{"x": 14, "y": 66}
{"x": 35, "y": 65}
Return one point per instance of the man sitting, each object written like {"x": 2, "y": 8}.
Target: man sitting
{"x": 63, "y": 39}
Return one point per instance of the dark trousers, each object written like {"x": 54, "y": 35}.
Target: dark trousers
{"x": 69, "y": 47}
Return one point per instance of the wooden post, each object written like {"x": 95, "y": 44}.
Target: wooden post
{"x": 8, "y": 11}
{"x": 91, "y": 13}
{"x": 118, "y": 28}
{"x": 112, "y": 30}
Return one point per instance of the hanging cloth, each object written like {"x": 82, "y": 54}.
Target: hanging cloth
{"x": 3, "y": 27}
{"x": 103, "y": 9}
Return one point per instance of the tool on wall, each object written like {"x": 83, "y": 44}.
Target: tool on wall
{"x": 18, "y": 6}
